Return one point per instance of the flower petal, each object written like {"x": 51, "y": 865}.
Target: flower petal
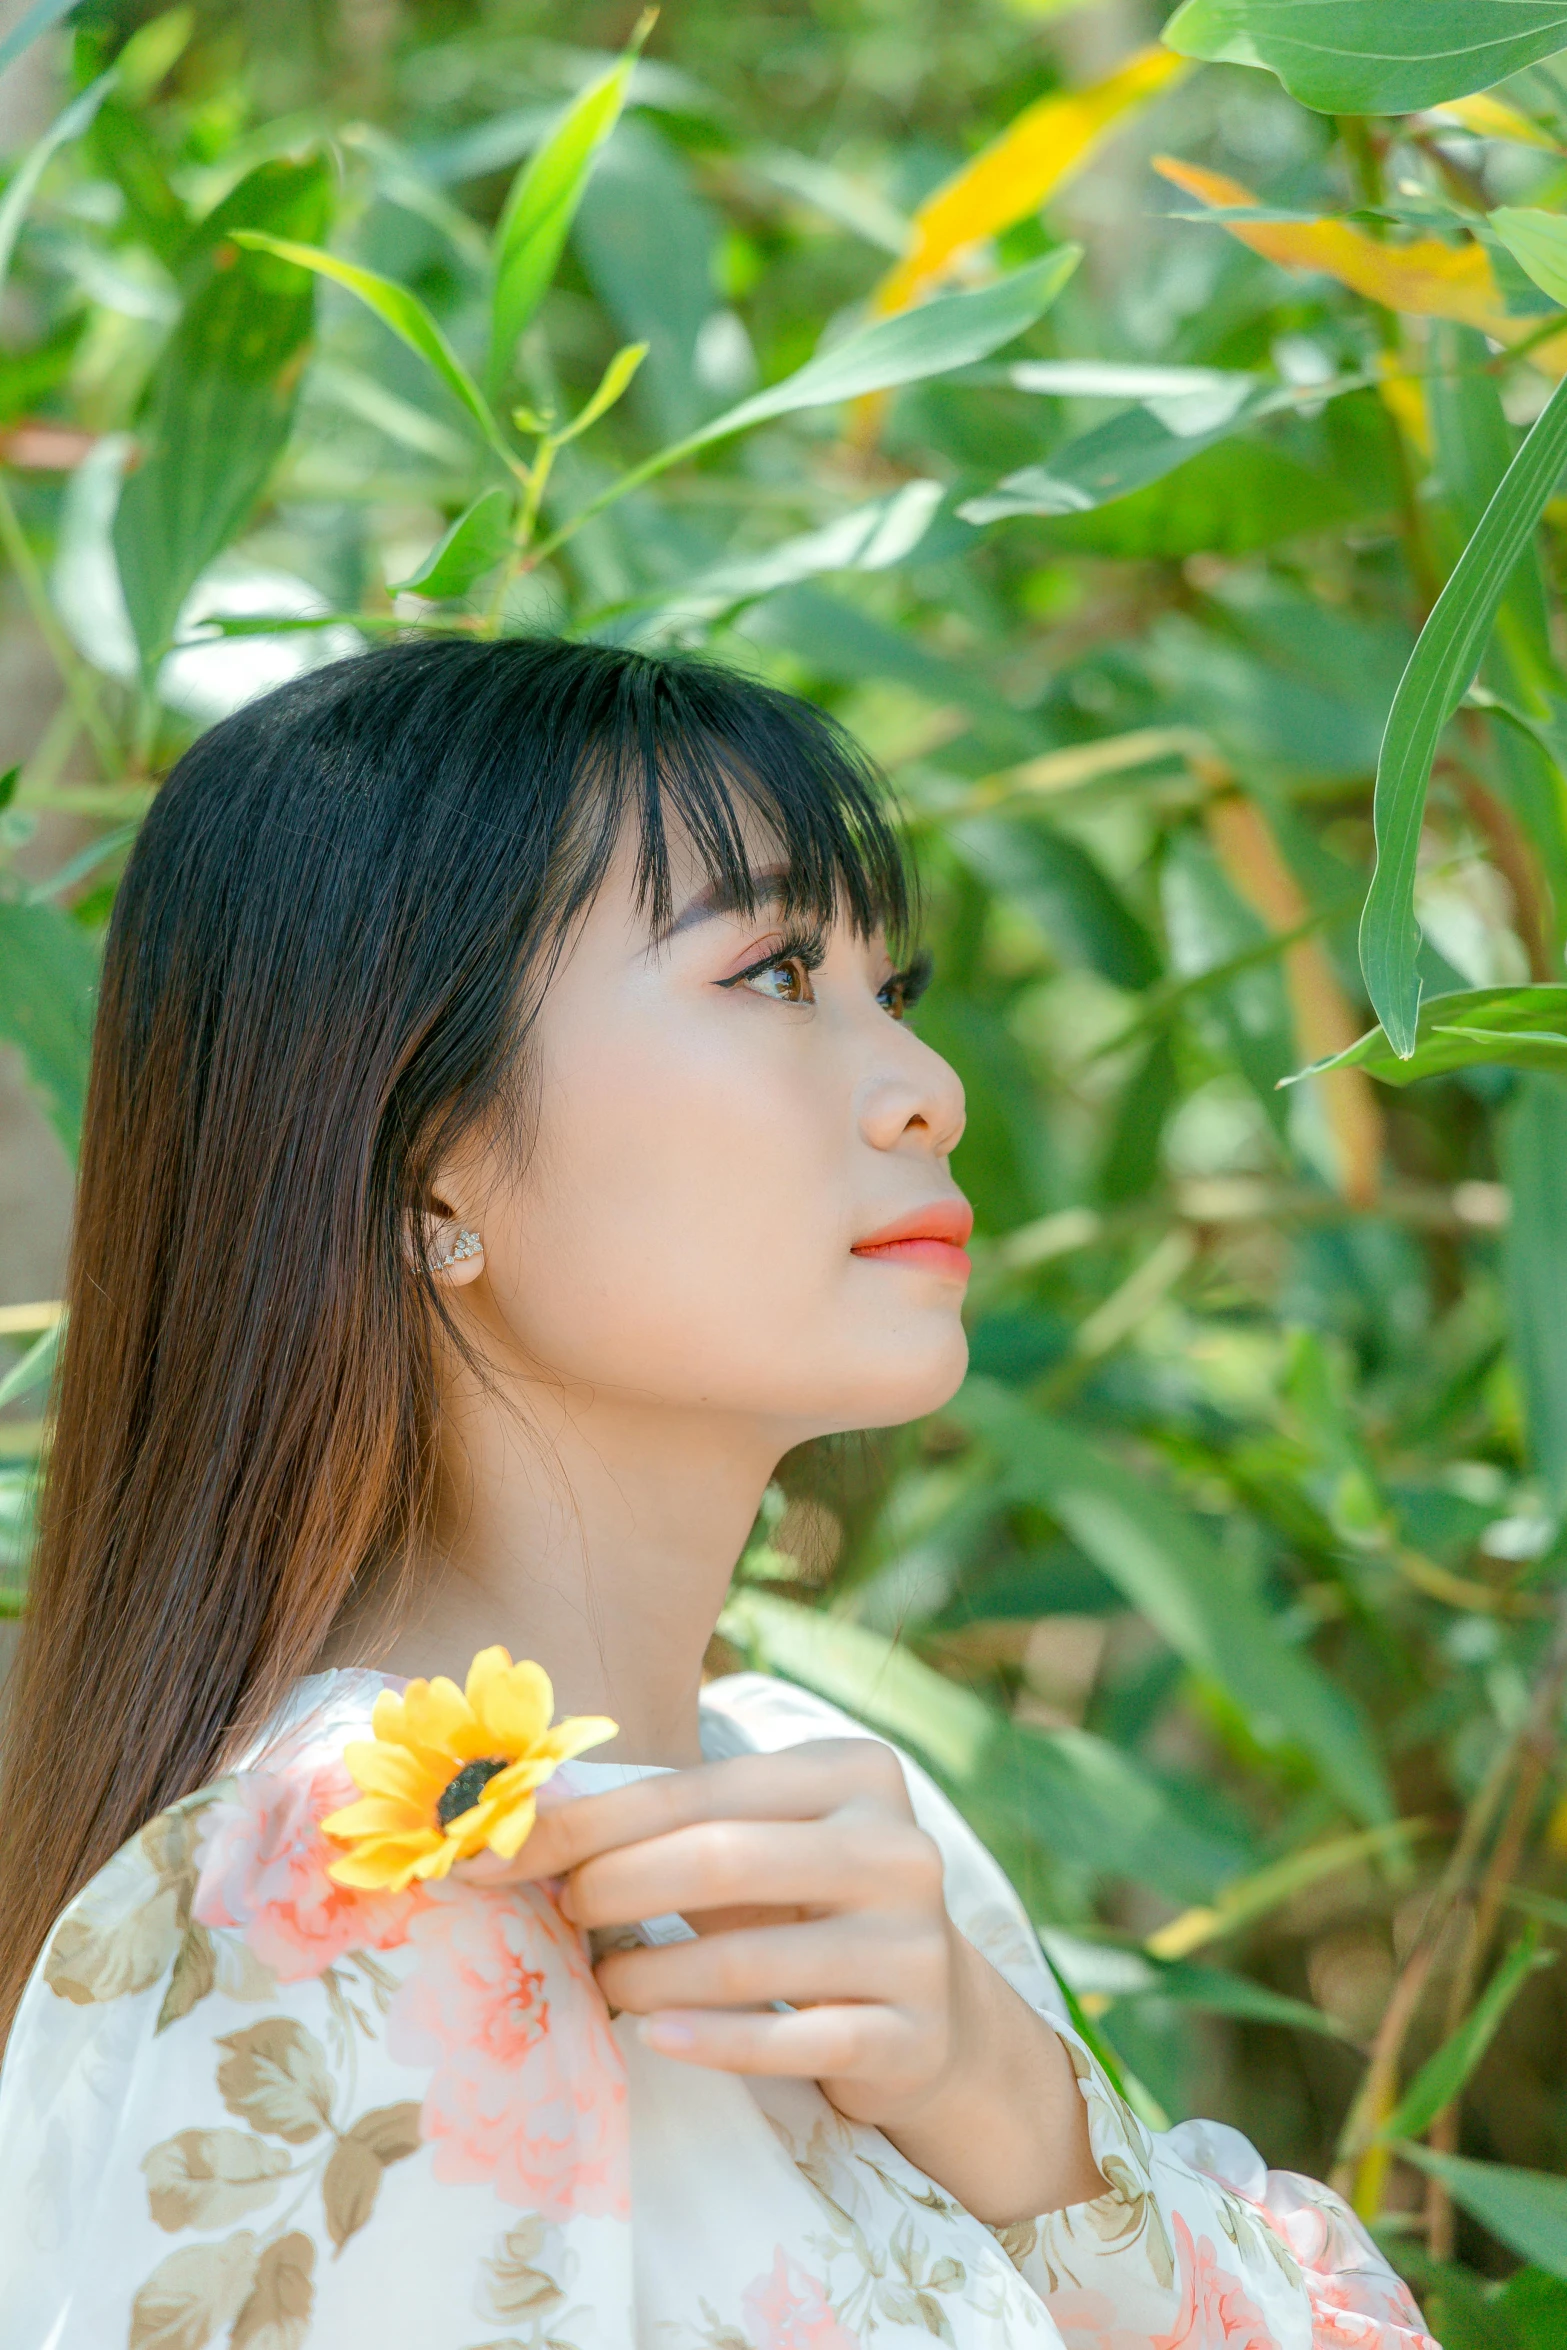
{"x": 379, "y": 1768}
{"x": 511, "y": 1831}
{"x": 385, "y": 1864}
{"x": 375, "y": 1815}
{"x": 578, "y": 1732}
{"x": 436, "y": 1715}
{"x": 514, "y": 1702}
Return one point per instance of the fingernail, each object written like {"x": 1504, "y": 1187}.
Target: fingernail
{"x": 666, "y": 2032}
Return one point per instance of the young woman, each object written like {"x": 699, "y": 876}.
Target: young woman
{"x": 504, "y": 1143}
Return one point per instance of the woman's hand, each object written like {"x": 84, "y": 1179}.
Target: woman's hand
{"x": 808, "y": 1880}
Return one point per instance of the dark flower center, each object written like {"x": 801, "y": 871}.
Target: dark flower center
{"x": 465, "y": 1790}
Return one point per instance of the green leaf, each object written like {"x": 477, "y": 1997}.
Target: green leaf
{"x": 37, "y": 21}
{"x": 1537, "y": 241}
{"x": 1440, "y": 669}
{"x": 648, "y": 241}
{"x": 397, "y": 308}
{"x": 1217, "y": 1991}
{"x": 612, "y": 384}
{"x": 1373, "y": 56}
{"x": 1444, "y": 2073}
{"x": 221, "y": 402}
{"x": 36, "y": 1367}
{"x": 1079, "y": 1796}
{"x": 474, "y": 545}
{"x": 24, "y": 180}
{"x": 1475, "y": 444}
{"x": 538, "y": 212}
{"x": 1524, "y": 2209}
{"x": 951, "y": 331}
{"x": 1533, "y": 1153}
{"x": 1515, "y": 1027}
{"x": 1165, "y": 1566}
{"x": 1068, "y": 893}
{"x": 48, "y": 974}
{"x": 870, "y": 537}
{"x": 1141, "y": 445}
{"x": 1232, "y": 497}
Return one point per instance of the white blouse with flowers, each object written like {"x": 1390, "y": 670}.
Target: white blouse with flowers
{"x": 245, "y": 2107}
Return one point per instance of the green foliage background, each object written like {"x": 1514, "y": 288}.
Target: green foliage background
{"x": 1228, "y": 1598}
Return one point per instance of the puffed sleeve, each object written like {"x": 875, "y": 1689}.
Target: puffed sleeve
{"x": 243, "y": 2106}
{"x": 1195, "y": 2242}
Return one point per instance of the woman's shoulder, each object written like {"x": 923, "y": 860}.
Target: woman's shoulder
{"x": 227, "y": 2063}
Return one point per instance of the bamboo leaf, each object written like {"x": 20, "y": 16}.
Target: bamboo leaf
{"x": 1537, "y": 241}
{"x": 36, "y": 22}
{"x": 1444, "y": 2073}
{"x": 1424, "y": 278}
{"x": 1514, "y": 1027}
{"x": 1159, "y": 1557}
{"x": 1373, "y": 56}
{"x": 397, "y": 308}
{"x": 1142, "y": 445}
{"x": 953, "y": 330}
{"x": 1018, "y": 172}
{"x": 1526, "y": 2209}
{"x": 48, "y": 975}
{"x": 539, "y": 210}
{"x": 24, "y": 180}
{"x": 1078, "y": 1795}
{"x": 36, "y": 1367}
{"x": 1440, "y": 670}
{"x": 612, "y": 384}
{"x": 1533, "y": 1154}
{"x": 474, "y": 545}
{"x": 222, "y": 400}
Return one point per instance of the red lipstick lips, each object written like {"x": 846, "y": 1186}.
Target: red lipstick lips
{"x": 931, "y": 1239}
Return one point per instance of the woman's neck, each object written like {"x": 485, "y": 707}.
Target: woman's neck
{"x": 596, "y": 1536}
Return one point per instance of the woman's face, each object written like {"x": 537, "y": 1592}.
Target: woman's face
{"x": 721, "y": 1128}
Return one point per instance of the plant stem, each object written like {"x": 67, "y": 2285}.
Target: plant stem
{"x": 73, "y": 670}
{"x": 1537, "y": 1751}
{"x": 1360, "y": 2166}
{"x": 534, "y": 478}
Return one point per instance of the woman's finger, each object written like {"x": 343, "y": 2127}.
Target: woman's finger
{"x": 784, "y": 1864}
{"x": 815, "y": 1964}
{"x": 844, "y": 2043}
{"x": 807, "y": 1782}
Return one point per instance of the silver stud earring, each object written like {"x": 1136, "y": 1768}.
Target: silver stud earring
{"x": 467, "y": 1244}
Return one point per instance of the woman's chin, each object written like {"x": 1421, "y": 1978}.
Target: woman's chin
{"x": 916, "y": 1380}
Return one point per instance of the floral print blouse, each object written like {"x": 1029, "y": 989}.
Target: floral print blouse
{"x": 242, "y": 2106}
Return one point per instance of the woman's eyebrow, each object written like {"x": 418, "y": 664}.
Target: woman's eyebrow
{"x": 727, "y": 895}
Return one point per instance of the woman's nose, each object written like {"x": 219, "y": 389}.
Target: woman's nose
{"x": 915, "y": 1100}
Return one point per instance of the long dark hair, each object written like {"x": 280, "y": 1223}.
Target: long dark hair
{"x": 318, "y": 976}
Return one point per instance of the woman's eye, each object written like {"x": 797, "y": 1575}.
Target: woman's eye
{"x": 893, "y": 995}
{"x": 788, "y": 981}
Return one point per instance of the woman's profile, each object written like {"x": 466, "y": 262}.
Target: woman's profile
{"x": 504, "y": 1143}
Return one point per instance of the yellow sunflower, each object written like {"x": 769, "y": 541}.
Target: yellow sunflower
{"x": 450, "y": 1771}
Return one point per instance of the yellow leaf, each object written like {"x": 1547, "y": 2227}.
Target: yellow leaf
{"x": 1426, "y": 279}
{"x": 1014, "y": 175}
{"x": 1319, "y": 1008}
{"x": 1489, "y": 118}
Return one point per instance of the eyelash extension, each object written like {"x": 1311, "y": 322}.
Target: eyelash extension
{"x": 800, "y": 946}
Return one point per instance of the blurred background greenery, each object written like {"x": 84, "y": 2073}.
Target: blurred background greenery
{"x": 1227, "y": 1599}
